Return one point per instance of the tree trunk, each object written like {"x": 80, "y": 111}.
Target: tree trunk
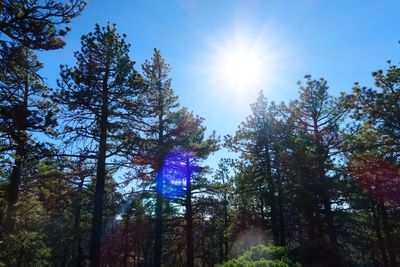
{"x": 282, "y": 234}
{"x": 158, "y": 242}
{"x": 159, "y": 220}
{"x": 77, "y": 250}
{"x": 388, "y": 237}
{"x": 221, "y": 257}
{"x": 126, "y": 241}
{"x": 328, "y": 214}
{"x": 263, "y": 216}
{"x": 225, "y": 255}
{"x": 13, "y": 192}
{"x": 323, "y": 189}
{"x": 95, "y": 240}
{"x": 326, "y": 201}
{"x": 329, "y": 221}
{"x": 20, "y": 138}
{"x": 270, "y": 197}
{"x": 189, "y": 218}
{"x": 380, "y": 237}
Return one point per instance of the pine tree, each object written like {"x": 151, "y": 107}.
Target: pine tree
{"x": 160, "y": 101}
{"x": 318, "y": 116}
{"x": 26, "y": 112}
{"x": 191, "y": 148}
{"x": 100, "y": 98}
{"x": 34, "y": 24}
{"x": 374, "y": 150}
{"x": 224, "y": 188}
{"x": 254, "y": 140}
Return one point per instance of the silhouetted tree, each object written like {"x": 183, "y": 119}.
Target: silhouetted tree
{"x": 25, "y": 112}
{"x": 192, "y": 147}
{"x": 101, "y": 107}
{"x": 160, "y": 102}
{"x": 35, "y": 24}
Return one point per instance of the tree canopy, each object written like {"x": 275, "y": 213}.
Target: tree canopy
{"x": 109, "y": 169}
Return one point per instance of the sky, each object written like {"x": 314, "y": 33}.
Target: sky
{"x": 342, "y": 41}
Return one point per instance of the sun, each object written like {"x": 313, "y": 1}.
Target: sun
{"x": 241, "y": 63}
{"x": 240, "y": 66}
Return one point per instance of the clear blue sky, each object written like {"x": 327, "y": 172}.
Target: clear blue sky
{"x": 342, "y": 41}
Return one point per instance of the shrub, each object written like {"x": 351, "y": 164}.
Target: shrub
{"x": 24, "y": 249}
{"x": 262, "y": 256}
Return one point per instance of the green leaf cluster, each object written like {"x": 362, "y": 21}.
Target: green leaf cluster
{"x": 262, "y": 256}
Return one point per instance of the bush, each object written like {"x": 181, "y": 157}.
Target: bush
{"x": 262, "y": 256}
{"x": 25, "y": 249}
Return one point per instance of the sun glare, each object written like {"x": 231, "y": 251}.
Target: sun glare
{"x": 240, "y": 66}
{"x": 242, "y": 63}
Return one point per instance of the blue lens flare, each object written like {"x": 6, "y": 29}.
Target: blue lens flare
{"x": 176, "y": 174}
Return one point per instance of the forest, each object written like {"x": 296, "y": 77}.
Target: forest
{"x": 315, "y": 180}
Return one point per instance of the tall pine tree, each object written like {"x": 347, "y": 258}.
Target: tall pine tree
{"x": 160, "y": 102}
{"x": 25, "y": 112}
{"x": 101, "y": 107}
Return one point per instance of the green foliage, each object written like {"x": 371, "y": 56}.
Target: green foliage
{"x": 31, "y": 214}
{"x": 25, "y": 106}
{"x": 35, "y": 24}
{"x": 25, "y": 249}
{"x": 262, "y": 256}
{"x": 378, "y": 109}
{"x": 160, "y": 104}
{"x": 373, "y": 157}
{"x": 330, "y": 195}
{"x": 103, "y": 80}
{"x": 26, "y": 114}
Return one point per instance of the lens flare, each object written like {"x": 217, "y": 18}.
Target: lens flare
{"x": 379, "y": 178}
{"x": 240, "y": 67}
{"x": 248, "y": 238}
{"x": 176, "y": 171}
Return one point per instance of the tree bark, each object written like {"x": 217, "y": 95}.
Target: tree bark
{"x": 189, "y": 218}
{"x": 270, "y": 196}
{"x": 159, "y": 220}
{"x": 282, "y": 234}
{"x": 95, "y": 240}
{"x": 226, "y": 245}
{"x": 387, "y": 232}
{"x": 126, "y": 241}
{"x": 322, "y": 154}
{"x": 13, "y": 191}
{"x": 77, "y": 251}
{"x": 158, "y": 242}
{"x": 20, "y": 138}
{"x": 378, "y": 231}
